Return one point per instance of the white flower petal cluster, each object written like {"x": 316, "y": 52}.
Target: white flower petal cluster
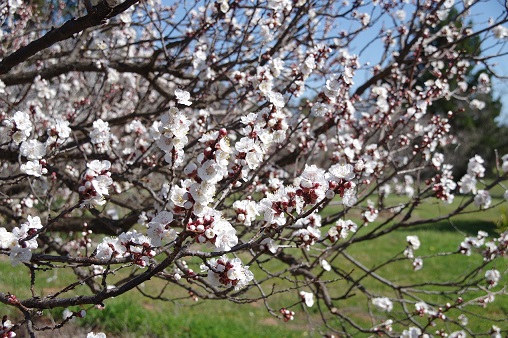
{"x": 413, "y": 242}
{"x": 227, "y": 272}
{"x": 477, "y": 104}
{"x": 424, "y": 309}
{"x": 183, "y": 97}
{"x": 263, "y": 130}
{"x": 199, "y": 58}
{"x": 33, "y": 168}
{"x": 5, "y": 328}
{"x": 504, "y": 166}
{"x": 128, "y": 244}
{"x": 371, "y": 214}
{"x": 475, "y": 167}
{"x": 325, "y": 265}
{"x": 159, "y": 229}
{"x": 412, "y": 332}
{"x": 276, "y": 66}
{"x": 307, "y": 237}
{"x": 485, "y": 300}
{"x": 495, "y": 331}
{"x": 308, "y": 298}
{"x": 20, "y": 125}
{"x": 32, "y": 149}
{"x": 405, "y": 187}
{"x": 500, "y": 32}
{"x": 311, "y": 185}
{"x": 95, "y": 184}
{"x": 444, "y": 184}
{"x": 16, "y": 241}
{"x": 364, "y": 18}
{"x": 246, "y": 211}
{"x": 198, "y": 191}
{"x": 483, "y": 199}
{"x": 320, "y": 109}
{"x": 384, "y": 326}
{"x": 458, "y": 334}
{"x": 268, "y": 244}
{"x": 417, "y": 264}
{"x": 213, "y": 228}
{"x": 100, "y": 134}
{"x": 308, "y": 65}
{"x": 213, "y": 163}
{"x": 383, "y": 303}
{"x": 495, "y": 248}
{"x": 96, "y": 335}
{"x": 467, "y": 184}
{"x": 339, "y": 172}
{"x": 313, "y": 220}
{"x": 472, "y": 242}
{"x": 173, "y": 129}
{"x": 342, "y": 229}
{"x": 492, "y": 276}
{"x": 58, "y": 132}
{"x": 274, "y": 206}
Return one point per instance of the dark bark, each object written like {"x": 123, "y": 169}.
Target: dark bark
{"x": 96, "y": 17}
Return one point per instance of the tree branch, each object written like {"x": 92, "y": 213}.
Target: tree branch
{"x": 96, "y": 17}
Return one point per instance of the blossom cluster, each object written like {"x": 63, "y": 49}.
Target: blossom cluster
{"x": 413, "y": 243}
{"x": 227, "y": 272}
{"x": 132, "y": 245}
{"x": 21, "y": 240}
{"x": 20, "y": 129}
{"x": 6, "y": 328}
{"x": 160, "y": 230}
{"x": 100, "y": 135}
{"x": 213, "y": 228}
{"x": 95, "y": 183}
{"x": 263, "y": 129}
{"x": 342, "y": 229}
{"x": 173, "y": 130}
{"x": 475, "y": 170}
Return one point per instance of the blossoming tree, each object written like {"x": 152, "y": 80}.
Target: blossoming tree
{"x": 239, "y": 149}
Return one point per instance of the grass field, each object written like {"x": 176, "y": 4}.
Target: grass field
{"x": 132, "y": 315}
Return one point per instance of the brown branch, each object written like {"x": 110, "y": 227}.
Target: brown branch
{"x": 96, "y": 17}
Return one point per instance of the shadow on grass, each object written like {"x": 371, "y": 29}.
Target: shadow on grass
{"x": 466, "y": 226}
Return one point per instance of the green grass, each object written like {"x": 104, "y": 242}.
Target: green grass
{"x": 209, "y": 319}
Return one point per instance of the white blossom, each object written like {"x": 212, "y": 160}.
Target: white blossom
{"x": 183, "y": 97}
{"x": 383, "y": 303}
{"x": 492, "y": 276}
{"x": 227, "y": 272}
{"x": 33, "y": 168}
{"x": 98, "y": 334}
{"x": 21, "y": 126}
{"x": 483, "y": 199}
{"x": 308, "y": 298}
{"x": 32, "y": 149}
